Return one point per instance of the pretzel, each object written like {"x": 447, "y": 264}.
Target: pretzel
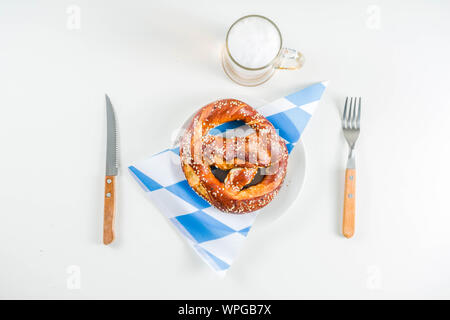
{"x": 262, "y": 150}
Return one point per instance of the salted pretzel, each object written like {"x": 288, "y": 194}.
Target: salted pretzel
{"x": 242, "y": 156}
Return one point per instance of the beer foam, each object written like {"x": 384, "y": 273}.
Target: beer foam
{"x": 254, "y": 42}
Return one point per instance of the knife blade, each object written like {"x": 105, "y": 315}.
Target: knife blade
{"x": 112, "y": 168}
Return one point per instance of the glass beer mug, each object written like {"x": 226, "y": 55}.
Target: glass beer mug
{"x": 254, "y": 50}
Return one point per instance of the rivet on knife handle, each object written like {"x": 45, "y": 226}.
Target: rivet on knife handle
{"x": 110, "y": 208}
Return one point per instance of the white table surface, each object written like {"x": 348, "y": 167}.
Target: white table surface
{"x": 159, "y": 61}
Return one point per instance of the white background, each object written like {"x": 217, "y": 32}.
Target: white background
{"x": 159, "y": 61}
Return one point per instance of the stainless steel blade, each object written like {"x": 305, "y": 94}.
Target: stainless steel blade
{"x": 112, "y": 148}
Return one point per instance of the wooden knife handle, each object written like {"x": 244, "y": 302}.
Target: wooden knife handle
{"x": 348, "y": 225}
{"x": 110, "y": 208}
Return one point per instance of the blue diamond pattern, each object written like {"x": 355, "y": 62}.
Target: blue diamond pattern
{"x": 183, "y": 190}
{"x": 299, "y": 118}
{"x": 149, "y": 183}
{"x": 290, "y": 123}
{"x": 203, "y": 227}
{"x": 176, "y": 150}
{"x": 221, "y": 265}
{"x": 286, "y": 129}
{"x": 244, "y": 231}
{"x": 289, "y": 147}
{"x": 307, "y": 95}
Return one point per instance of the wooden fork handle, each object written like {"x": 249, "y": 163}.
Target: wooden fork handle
{"x": 348, "y": 225}
{"x": 110, "y": 208}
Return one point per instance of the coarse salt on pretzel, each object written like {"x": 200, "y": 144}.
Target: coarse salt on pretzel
{"x": 242, "y": 156}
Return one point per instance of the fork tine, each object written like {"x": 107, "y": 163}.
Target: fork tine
{"x": 344, "y": 114}
{"x": 350, "y": 114}
{"x": 354, "y": 114}
{"x": 358, "y": 119}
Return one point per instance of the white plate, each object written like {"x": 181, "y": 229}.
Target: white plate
{"x": 293, "y": 183}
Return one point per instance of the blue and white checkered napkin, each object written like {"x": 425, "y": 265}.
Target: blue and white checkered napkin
{"x": 217, "y": 236}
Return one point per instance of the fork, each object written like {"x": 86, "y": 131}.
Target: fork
{"x": 350, "y": 125}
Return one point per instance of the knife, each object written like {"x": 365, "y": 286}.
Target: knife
{"x": 112, "y": 166}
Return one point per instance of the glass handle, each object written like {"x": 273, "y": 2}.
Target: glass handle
{"x": 290, "y": 59}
